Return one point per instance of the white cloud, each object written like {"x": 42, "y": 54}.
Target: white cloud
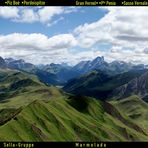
{"x": 27, "y": 16}
{"x": 36, "y": 42}
{"x": 124, "y": 28}
{"x": 35, "y": 45}
{"x": 44, "y": 15}
{"x": 9, "y": 12}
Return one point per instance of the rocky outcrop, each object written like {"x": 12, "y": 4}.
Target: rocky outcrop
{"x": 137, "y": 86}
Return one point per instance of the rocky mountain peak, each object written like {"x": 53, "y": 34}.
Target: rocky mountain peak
{"x": 2, "y": 63}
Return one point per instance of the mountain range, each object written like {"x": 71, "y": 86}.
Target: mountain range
{"x": 91, "y": 101}
{"x": 60, "y": 74}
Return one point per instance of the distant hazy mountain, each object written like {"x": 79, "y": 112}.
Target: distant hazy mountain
{"x": 2, "y": 63}
{"x": 63, "y": 72}
{"x": 86, "y": 66}
{"x": 43, "y": 75}
{"x": 59, "y": 74}
{"x": 117, "y": 67}
{"x": 19, "y": 64}
{"x": 113, "y": 68}
{"x": 47, "y": 77}
{"x": 54, "y": 68}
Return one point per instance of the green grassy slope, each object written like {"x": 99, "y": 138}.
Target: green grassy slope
{"x": 135, "y": 109}
{"x": 19, "y": 89}
{"x": 62, "y": 118}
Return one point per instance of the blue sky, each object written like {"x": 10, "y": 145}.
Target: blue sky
{"x": 68, "y": 22}
{"x": 72, "y": 34}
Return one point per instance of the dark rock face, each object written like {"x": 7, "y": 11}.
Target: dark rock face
{"x": 2, "y": 63}
{"x": 138, "y": 86}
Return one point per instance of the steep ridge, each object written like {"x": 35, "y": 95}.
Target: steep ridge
{"x": 99, "y": 84}
{"x": 19, "y": 88}
{"x": 135, "y": 109}
{"x": 137, "y": 86}
{"x": 45, "y": 120}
